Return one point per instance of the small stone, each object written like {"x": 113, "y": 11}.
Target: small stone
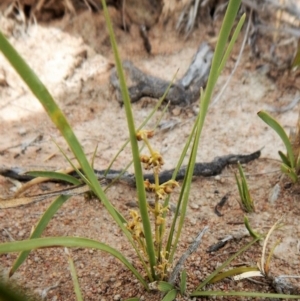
{"x": 240, "y": 285}
{"x": 190, "y": 239}
{"x": 274, "y": 194}
{"x": 89, "y": 294}
{"x": 21, "y": 233}
{"x": 118, "y": 284}
{"x": 193, "y": 221}
{"x": 207, "y": 195}
{"x": 194, "y": 206}
{"x": 22, "y": 132}
{"x": 176, "y": 111}
{"x": 218, "y": 178}
{"x": 117, "y": 297}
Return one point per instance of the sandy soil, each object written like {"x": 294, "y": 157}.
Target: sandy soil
{"x": 72, "y": 56}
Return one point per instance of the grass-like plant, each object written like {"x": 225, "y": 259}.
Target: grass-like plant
{"x": 146, "y": 230}
{"x": 291, "y": 160}
{"x": 245, "y": 201}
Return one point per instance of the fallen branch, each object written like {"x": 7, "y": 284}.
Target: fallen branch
{"x": 183, "y": 92}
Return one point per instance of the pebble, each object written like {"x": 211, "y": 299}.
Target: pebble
{"x": 118, "y": 284}
{"x": 117, "y": 297}
{"x": 207, "y": 195}
{"x": 194, "y": 206}
{"x": 21, "y": 233}
{"x": 22, "y": 132}
{"x": 176, "y": 111}
{"x": 193, "y": 221}
{"x": 240, "y": 285}
{"x": 274, "y": 194}
{"x": 190, "y": 239}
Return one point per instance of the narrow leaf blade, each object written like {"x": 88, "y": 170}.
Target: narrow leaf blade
{"x": 55, "y": 176}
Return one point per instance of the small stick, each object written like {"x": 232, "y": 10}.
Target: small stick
{"x": 192, "y": 248}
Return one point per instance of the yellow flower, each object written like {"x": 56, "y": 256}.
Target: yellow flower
{"x": 135, "y": 226}
{"x": 144, "y": 134}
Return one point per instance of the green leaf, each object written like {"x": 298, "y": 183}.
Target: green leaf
{"x": 142, "y": 201}
{"x": 94, "y": 156}
{"x": 222, "y": 266}
{"x": 183, "y": 282}
{"x": 232, "y": 272}
{"x": 289, "y": 172}
{"x": 273, "y": 123}
{"x": 246, "y": 201}
{"x": 154, "y": 110}
{"x": 205, "y": 98}
{"x": 296, "y": 60}
{"x": 164, "y": 286}
{"x": 55, "y": 176}
{"x": 69, "y": 242}
{"x": 254, "y": 234}
{"x": 170, "y": 296}
{"x": 60, "y": 121}
{"x": 239, "y": 186}
{"x": 74, "y": 277}
{"x": 284, "y": 158}
{"x": 232, "y": 42}
{"x": 40, "y": 227}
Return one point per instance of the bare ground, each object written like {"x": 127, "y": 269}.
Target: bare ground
{"x": 73, "y": 58}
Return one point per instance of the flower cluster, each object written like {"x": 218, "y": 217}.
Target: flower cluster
{"x": 135, "y": 226}
{"x": 163, "y": 189}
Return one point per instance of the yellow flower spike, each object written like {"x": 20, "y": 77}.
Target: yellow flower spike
{"x": 149, "y": 186}
{"x": 144, "y": 134}
{"x": 150, "y": 134}
{"x": 171, "y": 183}
{"x": 160, "y": 220}
{"x": 134, "y": 214}
{"x": 144, "y": 158}
{"x": 135, "y": 225}
{"x": 163, "y": 189}
{"x": 160, "y": 192}
{"x": 157, "y": 159}
{"x": 168, "y": 190}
